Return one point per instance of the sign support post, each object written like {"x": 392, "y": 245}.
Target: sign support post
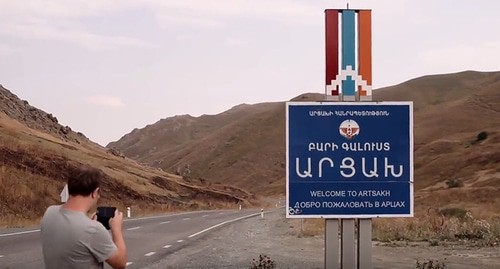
{"x": 365, "y": 243}
{"x": 348, "y": 244}
{"x": 332, "y": 248}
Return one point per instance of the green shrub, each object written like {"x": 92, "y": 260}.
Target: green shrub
{"x": 454, "y": 183}
{"x": 481, "y": 136}
{"x": 264, "y": 262}
{"x": 456, "y": 212}
{"x": 433, "y": 242}
{"x": 430, "y": 264}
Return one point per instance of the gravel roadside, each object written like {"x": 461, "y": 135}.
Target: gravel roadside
{"x": 237, "y": 244}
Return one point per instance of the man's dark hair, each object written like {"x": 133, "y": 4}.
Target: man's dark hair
{"x": 83, "y": 181}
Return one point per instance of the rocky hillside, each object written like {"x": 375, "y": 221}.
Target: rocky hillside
{"x": 37, "y": 155}
{"x": 22, "y": 111}
{"x": 245, "y": 145}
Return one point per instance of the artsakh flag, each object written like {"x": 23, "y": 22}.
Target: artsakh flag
{"x": 349, "y": 71}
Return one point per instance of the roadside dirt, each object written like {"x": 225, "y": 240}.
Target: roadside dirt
{"x": 236, "y": 245}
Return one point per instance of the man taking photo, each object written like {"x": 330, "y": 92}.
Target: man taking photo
{"x": 70, "y": 239}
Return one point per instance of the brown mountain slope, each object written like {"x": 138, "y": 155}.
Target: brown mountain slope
{"x": 248, "y": 150}
{"x": 222, "y": 148}
{"x": 447, "y": 122}
{"x": 35, "y": 163}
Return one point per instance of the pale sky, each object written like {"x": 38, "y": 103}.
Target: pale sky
{"x": 105, "y": 67}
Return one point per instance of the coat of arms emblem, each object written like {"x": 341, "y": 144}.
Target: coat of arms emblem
{"x": 349, "y": 129}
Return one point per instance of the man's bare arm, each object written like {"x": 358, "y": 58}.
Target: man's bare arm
{"x": 119, "y": 259}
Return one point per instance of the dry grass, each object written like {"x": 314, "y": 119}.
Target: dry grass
{"x": 24, "y": 196}
{"x": 308, "y": 227}
{"x": 34, "y": 167}
{"x": 432, "y": 226}
{"x": 435, "y": 227}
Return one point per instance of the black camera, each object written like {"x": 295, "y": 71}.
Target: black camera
{"x": 104, "y": 213}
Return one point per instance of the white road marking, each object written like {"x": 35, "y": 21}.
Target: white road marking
{"x": 221, "y": 213}
{"x": 1, "y": 256}
{"x": 165, "y": 222}
{"x": 167, "y": 246}
{"x": 222, "y": 223}
{"x": 18, "y": 233}
{"x": 128, "y": 263}
{"x": 186, "y": 218}
{"x": 152, "y": 217}
{"x": 150, "y": 254}
{"x": 180, "y": 241}
{"x": 133, "y": 228}
{"x": 164, "y": 216}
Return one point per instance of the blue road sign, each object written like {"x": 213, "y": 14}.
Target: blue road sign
{"x": 349, "y": 159}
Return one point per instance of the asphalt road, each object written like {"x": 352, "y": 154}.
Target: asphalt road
{"x": 148, "y": 239}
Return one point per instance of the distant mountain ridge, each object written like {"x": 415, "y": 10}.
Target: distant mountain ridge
{"x": 245, "y": 146}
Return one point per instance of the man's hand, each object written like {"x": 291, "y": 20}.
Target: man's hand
{"x": 116, "y": 222}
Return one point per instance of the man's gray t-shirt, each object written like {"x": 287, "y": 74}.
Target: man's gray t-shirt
{"x": 70, "y": 239}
